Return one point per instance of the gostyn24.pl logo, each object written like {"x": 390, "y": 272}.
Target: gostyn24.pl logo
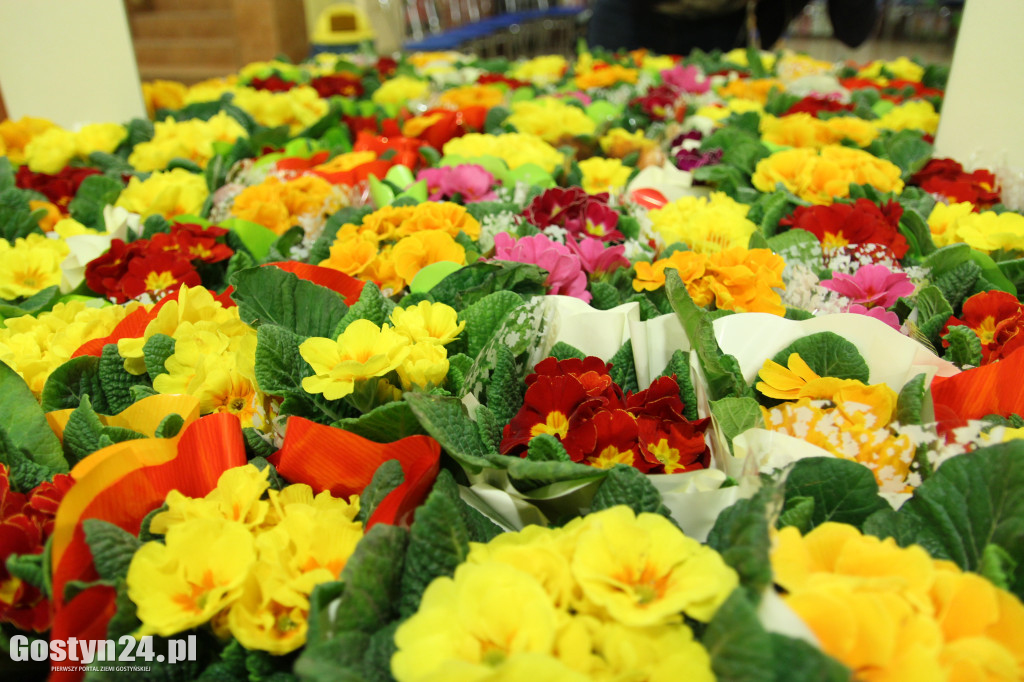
{"x": 126, "y": 649}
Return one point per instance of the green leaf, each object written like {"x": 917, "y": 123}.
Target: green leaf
{"x": 679, "y": 367}
{"x": 28, "y": 568}
{"x": 910, "y": 401}
{"x": 907, "y": 150}
{"x": 488, "y": 427}
{"x": 828, "y": 354}
{"x": 933, "y": 311}
{"x": 740, "y": 649}
{"x": 546, "y": 448}
{"x": 798, "y": 246}
{"x": 843, "y": 491}
{"x": 16, "y": 217}
{"x": 626, "y": 485}
{"x": 84, "y": 433}
{"x": 446, "y": 420}
{"x": 155, "y": 352}
{"x": 473, "y": 282}
{"x": 484, "y": 318}
{"x": 280, "y": 370}
{"x": 964, "y": 346}
{"x": 438, "y": 542}
{"x": 798, "y": 661}
{"x": 957, "y": 283}
{"x": 998, "y": 566}
{"x": 372, "y": 306}
{"x": 506, "y": 388}
{"x": 116, "y": 381}
{"x": 23, "y": 420}
{"x": 530, "y": 475}
{"x": 112, "y": 548}
{"x": 605, "y": 295}
{"x": 798, "y": 512}
{"x": 270, "y": 295}
{"x": 386, "y": 478}
{"x": 970, "y": 502}
{"x": 623, "y": 370}
{"x": 563, "y": 351}
{"x": 33, "y": 305}
{"x": 741, "y": 536}
{"x": 385, "y": 423}
{"x": 372, "y": 577}
{"x": 736, "y": 415}
{"x": 95, "y": 193}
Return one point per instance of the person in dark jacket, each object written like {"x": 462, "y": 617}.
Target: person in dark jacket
{"x": 679, "y": 26}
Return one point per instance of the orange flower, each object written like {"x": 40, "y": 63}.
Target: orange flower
{"x": 755, "y": 89}
{"x": 420, "y": 249}
{"x": 48, "y": 219}
{"x": 440, "y": 215}
{"x": 278, "y": 205}
{"x": 604, "y": 75}
{"x": 486, "y": 96}
{"x": 823, "y": 177}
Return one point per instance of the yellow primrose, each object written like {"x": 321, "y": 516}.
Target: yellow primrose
{"x": 34, "y": 346}
{"x": 363, "y": 351}
{"x": 514, "y": 149}
{"x": 280, "y": 204}
{"x": 99, "y": 137}
{"x": 482, "y": 618}
{"x": 297, "y": 108}
{"x": 739, "y": 57}
{"x": 176, "y": 588}
{"x": 15, "y": 135}
{"x": 318, "y": 539}
{"x": 270, "y": 614}
{"x": 944, "y": 221}
{"x": 912, "y": 115}
{"x": 236, "y": 498}
{"x": 752, "y": 89}
{"x": 643, "y": 571}
{"x": 608, "y": 76}
{"x": 30, "y": 265}
{"x": 347, "y": 161}
{"x": 862, "y": 133}
{"x": 902, "y": 68}
{"x": 302, "y": 495}
{"x": 604, "y": 175}
{"x": 50, "y": 151}
{"x": 210, "y": 90}
{"x": 540, "y": 71}
{"x": 399, "y": 90}
{"x": 445, "y": 216}
{"x": 664, "y": 652}
{"x": 192, "y": 140}
{"x": 166, "y": 193}
{"x": 428, "y": 322}
{"x": 420, "y": 249}
{"x": 619, "y": 142}
{"x": 163, "y": 94}
{"x": 823, "y": 176}
{"x": 426, "y": 366}
{"x": 542, "y": 552}
{"x": 991, "y": 231}
{"x": 351, "y": 253}
{"x": 550, "y": 119}
{"x": 705, "y": 224}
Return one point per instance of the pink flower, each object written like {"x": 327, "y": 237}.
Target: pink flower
{"x": 688, "y": 78}
{"x": 871, "y": 285}
{"x": 890, "y": 318}
{"x": 471, "y": 181}
{"x": 596, "y": 257}
{"x": 565, "y": 271}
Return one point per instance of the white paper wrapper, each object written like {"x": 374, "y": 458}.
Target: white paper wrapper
{"x": 594, "y": 332}
{"x": 670, "y": 181}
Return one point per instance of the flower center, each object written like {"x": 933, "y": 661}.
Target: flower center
{"x": 556, "y": 424}
{"x": 158, "y": 281}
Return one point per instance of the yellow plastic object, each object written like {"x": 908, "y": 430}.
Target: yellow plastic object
{"x": 342, "y": 24}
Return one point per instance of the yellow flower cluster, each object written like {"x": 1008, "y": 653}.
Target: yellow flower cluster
{"x": 167, "y": 193}
{"x": 619, "y": 143}
{"x": 822, "y": 176}
{"x": 804, "y": 130}
{"x": 551, "y": 119}
{"x": 792, "y": 66}
{"x": 984, "y": 231}
{"x": 600, "y": 599}
{"x": 599, "y": 74}
{"x": 913, "y": 115}
{"x": 902, "y": 68}
{"x": 604, "y": 175}
{"x": 844, "y": 417}
{"x": 514, "y": 149}
{"x": 540, "y": 71}
{"x": 412, "y": 346}
{"x": 52, "y": 149}
{"x": 244, "y": 564}
{"x": 894, "y": 613}
{"x": 30, "y": 265}
{"x": 35, "y": 346}
{"x": 192, "y": 140}
{"x": 754, "y": 89}
{"x": 15, "y": 136}
{"x": 704, "y": 224}
{"x": 162, "y": 94}
{"x": 399, "y": 90}
{"x": 280, "y": 204}
{"x": 744, "y": 280}
{"x": 297, "y": 108}
{"x": 392, "y": 244}
{"x": 486, "y": 96}
{"x": 719, "y": 112}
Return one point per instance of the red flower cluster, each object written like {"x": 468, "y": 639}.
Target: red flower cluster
{"x": 815, "y": 105}
{"x": 578, "y": 402}
{"x": 492, "y": 78}
{"x": 947, "y": 177}
{"x": 26, "y": 521}
{"x": 847, "y": 226}
{"x": 58, "y": 189}
{"x": 582, "y": 214}
{"x": 997, "y": 318}
{"x": 896, "y": 90}
{"x": 343, "y": 83}
{"x": 662, "y": 102}
{"x": 156, "y": 266}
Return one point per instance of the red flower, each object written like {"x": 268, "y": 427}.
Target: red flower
{"x": 491, "y": 78}
{"x": 103, "y": 274}
{"x": 660, "y": 101}
{"x": 660, "y": 401}
{"x": 201, "y": 243}
{"x": 591, "y": 372}
{"x": 675, "y": 446}
{"x": 997, "y": 318}
{"x": 386, "y": 66}
{"x": 946, "y": 177}
{"x": 582, "y": 214}
{"x": 616, "y": 441}
{"x": 815, "y": 105}
{"x": 995, "y": 388}
{"x": 157, "y": 274}
{"x": 273, "y": 83}
{"x": 863, "y": 222}
{"x": 59, "y": 189}
{"x": 556, "y": 405}
{"x": 343, "y": 83}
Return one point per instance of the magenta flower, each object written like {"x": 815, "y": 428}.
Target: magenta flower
{"x": 470, "y": 181}
{"x": 598, "y": 220}
{"x": 596, "y": 257}
{"x": 879, "y": 313}
{"x": 573, "y": 209}
{"x": 565, "y": 271}
{"x": 688, "y": 78}
{"x": 871, "y": 286}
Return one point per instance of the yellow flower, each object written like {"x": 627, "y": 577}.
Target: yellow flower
{"x": 486, "y": 96}
{"x": 823, "y": 177}
{"x": 902, "y": 68}
{"x": 236, "y": 498}
{"x": 754, "y": 89}
{"x": 619, "y": 143}
{"x": 913, "y": 115}
{"x": 175, "y": 587}
{"x": 944, "y": 221}
{"x": 643, "y": 571}
{"x": 744, "y": 280}
{"x": 162, "y": 94}
{"x": 990, "y": 231}
{"x": 550, "y": 119}
{"x": 651, "y": 276}
{"x": 270, "y": 614}
{"x": 99, "y": 137}
{"x": 739, "y": 57}
{"x": 665, "y": 652}
{"x": 439, "y": 215}
{"x": 363, "y": 351}
{"x": 35, "y": 346}
{"x": 604, "y": 175}
{"x": 192, "y": 140}
{"x": 420, "y": 249}
{"x": 860, "y": 132}
{"x": 30, "y": 265}
{"x": 51, "y": 150}
{"x": 514, "y": 149}
{"x": 428, "y": 322}
{"x": 607, "y": 76}
{"x": 15, "y": 135}
{"x": 347, "y": 161}
{"x": 426, "y": 366}
{"x": 351, "y": 253}
{"x": 399, "y": 90}
{"x": 50, "y": 218}
{"x": 540, "y": 71}
{"x": 795, "y": 130}
{"x": 167, "y": 193}
{"x": 484, "y": 617}
{"x": 704, "y": 224}
{"x": 297, "y": 108}
{"x": 278, "y": 205}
